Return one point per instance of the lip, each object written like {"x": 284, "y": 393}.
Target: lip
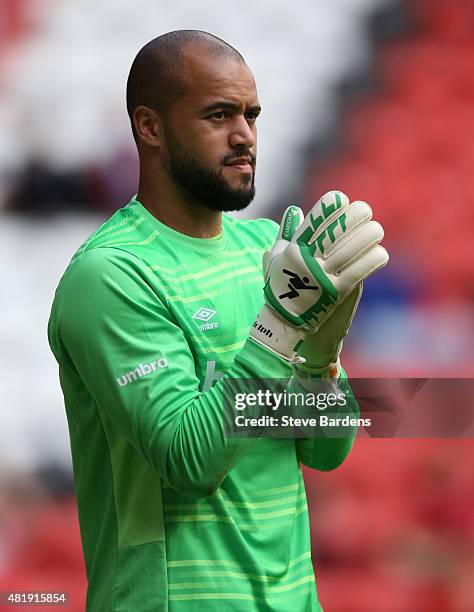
{"x": 241, "y": 164}
{"x": 246, "y": 168}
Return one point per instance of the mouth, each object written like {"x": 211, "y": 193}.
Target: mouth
{"x": 242, "y": 164}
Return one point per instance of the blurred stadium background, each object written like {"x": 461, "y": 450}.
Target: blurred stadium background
{"x": 374, "y": 97}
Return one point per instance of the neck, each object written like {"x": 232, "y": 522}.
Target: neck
{"x": 170, "y": 207}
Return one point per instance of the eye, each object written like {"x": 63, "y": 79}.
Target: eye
{"x": 251, "y": 116}
{"x": 219, "y": 115}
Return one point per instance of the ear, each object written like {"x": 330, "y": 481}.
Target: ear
{"x": 147, "y": 125}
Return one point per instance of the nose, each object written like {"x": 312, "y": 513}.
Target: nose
{"x": 242, "y": 134}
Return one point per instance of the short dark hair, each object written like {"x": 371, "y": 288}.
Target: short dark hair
{"x": 154, "y": 78}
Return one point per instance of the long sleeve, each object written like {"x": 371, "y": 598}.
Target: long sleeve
{"x": 110, "y": 326}
{"x": 327, "y": 453}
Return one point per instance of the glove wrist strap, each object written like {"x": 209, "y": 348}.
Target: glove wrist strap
{"x": 307, "y": 372}
{"x": 271, "y": 331}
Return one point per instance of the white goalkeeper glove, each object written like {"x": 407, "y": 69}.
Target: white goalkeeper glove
{"x": 321, "y": 350}
{"x": 315, "y": 264}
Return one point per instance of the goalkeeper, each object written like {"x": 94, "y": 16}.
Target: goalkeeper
{"x": 162, "y": 305}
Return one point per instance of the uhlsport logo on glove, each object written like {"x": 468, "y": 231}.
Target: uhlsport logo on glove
{"x": 296, "y": 284}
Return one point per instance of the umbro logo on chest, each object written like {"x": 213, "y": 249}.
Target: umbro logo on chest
{"x": 205, "y": 315}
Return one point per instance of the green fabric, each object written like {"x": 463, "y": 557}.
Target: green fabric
{"x": 327, "y": 453}
{"x": 174, "y": 516}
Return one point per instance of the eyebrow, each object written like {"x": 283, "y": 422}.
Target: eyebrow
{"x": 223, "y": 105}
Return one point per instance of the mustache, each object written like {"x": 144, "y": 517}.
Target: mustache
{"x": 228, "y": 159}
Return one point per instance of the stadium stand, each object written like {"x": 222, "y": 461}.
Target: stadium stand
{"x": 287, "y": 50}
{"x": 406, "y": 147}
{"x": 396, "y": 524}
{"x": 12, "y": 25}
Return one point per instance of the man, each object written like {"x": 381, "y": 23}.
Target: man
{"x": 150, "y": 320}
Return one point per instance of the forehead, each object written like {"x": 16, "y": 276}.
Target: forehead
{"x": 207, "y": 77}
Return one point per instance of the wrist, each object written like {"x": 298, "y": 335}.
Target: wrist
{"x": 306, "y": 371}
{"x": 277, "y": 335}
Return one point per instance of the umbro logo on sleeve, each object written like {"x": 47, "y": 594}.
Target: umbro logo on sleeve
{"x": 143, "y": 369}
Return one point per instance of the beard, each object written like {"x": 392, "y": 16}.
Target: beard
{"x": 204, "y": 185}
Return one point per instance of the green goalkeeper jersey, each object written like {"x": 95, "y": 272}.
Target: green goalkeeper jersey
{"x": 175, "y": 516}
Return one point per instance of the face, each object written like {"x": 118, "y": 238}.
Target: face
{"x": 209, "y": 149}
